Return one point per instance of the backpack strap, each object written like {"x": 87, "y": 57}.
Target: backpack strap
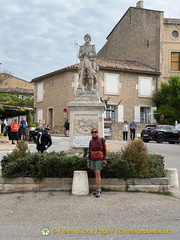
{"x": 103, "y": 147}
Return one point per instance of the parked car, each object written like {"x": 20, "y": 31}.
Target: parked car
{"x": 177, "y": 126}
{"x": 160, "y": 134}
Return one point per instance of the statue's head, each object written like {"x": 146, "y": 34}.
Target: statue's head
{"x": 87, "y": 36}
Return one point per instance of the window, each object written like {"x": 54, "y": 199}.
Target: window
{"x": 144, "y": 114}
{"x": 175, "y": 34}
{"x": 111, "y": 84}
{"x": 40, "y": 92}
{"x": 175, "y": 61}
{"x": 110, "y": 113}
{"x": 51, "y": 83}
{"x": 145, "y": 86}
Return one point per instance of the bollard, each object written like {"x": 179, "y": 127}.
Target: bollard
{"x": 172, "y": 175}
{"x": 80, "y": 184}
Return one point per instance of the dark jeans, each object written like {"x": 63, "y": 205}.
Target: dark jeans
{"x": 132, "y": 133}
{"x": 125, "y": 136}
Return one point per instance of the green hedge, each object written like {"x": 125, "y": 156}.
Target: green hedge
{"x": 40, "y": 165}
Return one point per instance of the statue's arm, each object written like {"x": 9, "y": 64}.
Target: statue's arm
{"x": 93, "y": 53}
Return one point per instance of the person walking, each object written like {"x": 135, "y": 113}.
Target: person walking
{"x": 133, "y": 128}
{"x": 66, "y": 127}
{"x": 97, "y": 156}
{"x": 14, "y": 131}
{"x": 23, "y": 125}
{"x": 43, "y": 141}
{"x": 125, "y": 128}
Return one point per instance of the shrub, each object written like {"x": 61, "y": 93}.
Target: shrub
{"x": 39, "y": 165}
{"x": 136, "y": 152}
{"x": 117, "y": 167}
{"x": 156, "y": 165}
{"x": 21, "y": 150}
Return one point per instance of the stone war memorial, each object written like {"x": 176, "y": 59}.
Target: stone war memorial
{"x": 86, "y": 110}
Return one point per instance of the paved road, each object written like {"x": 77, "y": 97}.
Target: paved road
{"x": 24, "y": 214}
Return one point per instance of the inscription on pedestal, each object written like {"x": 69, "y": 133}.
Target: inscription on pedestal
{"x": 81, "y": 141}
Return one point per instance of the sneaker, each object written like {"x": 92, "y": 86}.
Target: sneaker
{"x": 94, "y": 193}
{"x": 98, "y": 192}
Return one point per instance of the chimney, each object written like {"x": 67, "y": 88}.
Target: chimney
{"x": 140, "y": 4}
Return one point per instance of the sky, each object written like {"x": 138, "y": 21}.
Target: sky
{"x": 41, "y": 36}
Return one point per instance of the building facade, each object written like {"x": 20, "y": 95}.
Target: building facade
{"x": 15, "y": 86}
{"x": 144, "y": 35}
{"x": 126, "y": 87}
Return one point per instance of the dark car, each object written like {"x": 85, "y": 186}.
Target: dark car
{"x": 160, "y": 134}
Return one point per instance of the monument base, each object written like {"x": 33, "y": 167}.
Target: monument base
{"x": 86, "y": 112}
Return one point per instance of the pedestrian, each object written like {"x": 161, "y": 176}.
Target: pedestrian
{"x": 125, "y": 128}
{"x": 66, "y": 127}
{"x": 23, "y": 125}
{"x": 43, "y": 140}
{"x": 14, "y": 131}
{"x": 3, "y": 127}
{"x": 97, "y": 156}
{"x": 133, "y": 128}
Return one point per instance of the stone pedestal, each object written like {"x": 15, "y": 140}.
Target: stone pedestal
{"x": 172, "y": 175}
{"x": 86, "y": 112}
{"x": 80, "y": 184}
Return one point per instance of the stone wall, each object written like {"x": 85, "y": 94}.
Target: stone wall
{"x": 65, "y": 184}
{"x": 136, "y": 37}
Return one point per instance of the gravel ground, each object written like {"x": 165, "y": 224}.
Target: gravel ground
{"x": 24, "y": 214}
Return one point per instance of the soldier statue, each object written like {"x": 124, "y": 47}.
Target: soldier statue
{"x": 87, "y": 67}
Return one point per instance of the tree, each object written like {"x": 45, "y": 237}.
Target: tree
{"x": 5, "y": 74}
{"x": 167, "y": 99}
{"x": 11, "y": 105}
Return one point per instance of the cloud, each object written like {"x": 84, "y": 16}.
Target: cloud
{"x": 38, "y": 36}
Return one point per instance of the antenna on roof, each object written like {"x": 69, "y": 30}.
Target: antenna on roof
{"x": 77, "y": 48}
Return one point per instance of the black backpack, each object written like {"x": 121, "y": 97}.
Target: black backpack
{"x": 43, "y": 138}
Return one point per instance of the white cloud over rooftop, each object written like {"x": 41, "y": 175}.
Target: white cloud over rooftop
{"x": 37, "y": 36}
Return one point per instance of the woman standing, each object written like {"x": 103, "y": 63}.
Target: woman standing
{"x": 125, "y": 128}
{"x": 14, "y": 131}
{"x": 97, "y": 156}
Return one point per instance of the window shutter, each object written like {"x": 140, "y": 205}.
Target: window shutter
{"x": 152, "y": 119}
{"x": 137, "y": 114}
{"x": 104, "y": 114}
{"x": 145, "y": 86}
{"x": 112, "y": 83}
{"x": 120, "y": 113}
{"x": 39, "y": 115}
{"x": 40, "y": 92}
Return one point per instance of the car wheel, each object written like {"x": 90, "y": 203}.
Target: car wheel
{"x": 160, "y": 139}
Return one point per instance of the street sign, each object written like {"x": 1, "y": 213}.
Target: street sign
{"x": 161, "y": 117}
{"x": 65, "y": 110}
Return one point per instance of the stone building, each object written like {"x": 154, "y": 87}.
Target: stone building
{"x": 144, "y": 35}
{"x": 126, "y": 86}
{"x": 15, "y": 86}
{"x": 12, "y": 84}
